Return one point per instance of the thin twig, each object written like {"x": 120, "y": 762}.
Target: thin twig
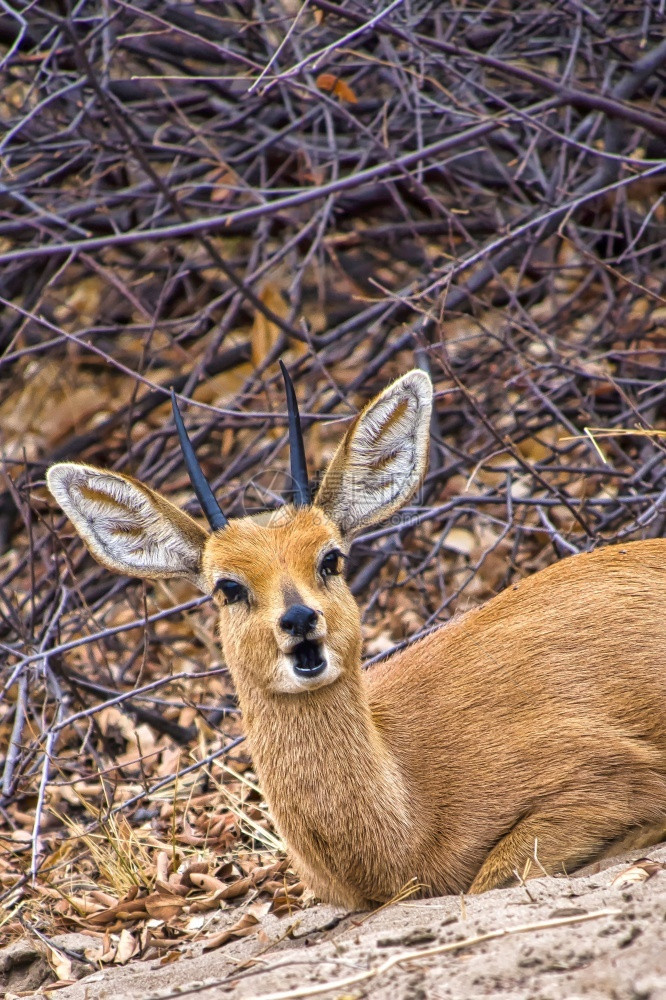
{"x": 316, "y": 989}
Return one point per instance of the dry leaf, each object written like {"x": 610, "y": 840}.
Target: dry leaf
{"x": 640, "y": 871}
{"x": 173, "y": 886}
{"x": 60, "y": 964}
{"x": 103, "y": 898}
{"x": 236, "y": 889}
{"x": 123, "y": 911}
{"x": 198, "y": 867}
{"x": 82, "y": 904}
{"x": 162, "y": 866}
{"x": 335, "y": 85}
{"x": 207, "y": 882}
{"x": 460, "y": 540}
{"x": 265, "y": 332}
{"x": 127, "y": 947}
{"x": 264, "y": 872}
{"x": 227, "y": 870}
{"x": 86, "y": 297}
{"x": 223, "y": 181}
{"x": 163, "y": 907}
{"x": 171, "y": 956}
{"x": 245, "y": 926}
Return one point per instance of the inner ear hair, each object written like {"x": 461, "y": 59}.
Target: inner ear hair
{"x": 128, "y": 527}
{"x": 382, "y": 457}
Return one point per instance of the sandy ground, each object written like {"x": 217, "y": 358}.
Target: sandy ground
{"x": 610, "y": 942}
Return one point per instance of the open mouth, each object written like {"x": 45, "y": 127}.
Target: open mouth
{"x": 308, "y": 658}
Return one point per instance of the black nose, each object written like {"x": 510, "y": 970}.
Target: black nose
{"x": 298, "y": 620}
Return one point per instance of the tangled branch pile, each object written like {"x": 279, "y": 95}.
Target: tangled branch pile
{"x": 192, "y": 191}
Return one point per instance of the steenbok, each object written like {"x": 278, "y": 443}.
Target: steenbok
{"x": 535, "y": 722}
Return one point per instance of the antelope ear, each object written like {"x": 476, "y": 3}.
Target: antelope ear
{"x": 382, "y": 457}
{"x": 128, "y": 527}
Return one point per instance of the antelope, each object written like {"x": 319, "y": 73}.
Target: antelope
{"x": 530, "y": 729}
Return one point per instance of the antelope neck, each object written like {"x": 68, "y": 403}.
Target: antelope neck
{"x": 334, "y": 789}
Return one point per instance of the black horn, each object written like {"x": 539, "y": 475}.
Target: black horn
{"x": 299, "y": 470}
{"x": 205, "y": 496}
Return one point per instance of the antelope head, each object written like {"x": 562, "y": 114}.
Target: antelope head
{"x": 287, "y": 619}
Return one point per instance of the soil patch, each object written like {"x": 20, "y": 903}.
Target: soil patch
{"x": 596, "y": 935}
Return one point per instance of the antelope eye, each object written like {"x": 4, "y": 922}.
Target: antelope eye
{"x": 331, "y": 564}
{"x": 231, "y": 590}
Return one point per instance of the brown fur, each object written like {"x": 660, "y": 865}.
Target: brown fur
{"x": 536, "y": 720}
{"x": 533, "y": 727}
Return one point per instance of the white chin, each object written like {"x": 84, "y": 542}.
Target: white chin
{"x": 290, "y": 680}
